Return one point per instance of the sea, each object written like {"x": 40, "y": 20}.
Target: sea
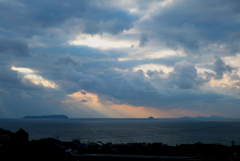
{"x": 170, "y": 132}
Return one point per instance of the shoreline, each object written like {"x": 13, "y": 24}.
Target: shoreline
{"x": 11, "y": 143}
{"x": 87, "y": 131}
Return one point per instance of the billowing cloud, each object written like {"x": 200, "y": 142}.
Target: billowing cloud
{"x": 185, "y": 76}
{"x": 220, "y": 67}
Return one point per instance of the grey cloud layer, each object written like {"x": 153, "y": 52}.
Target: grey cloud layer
{"x": 34, "y": 17}
{"x": 67, "y": 61}
{"x": 136, "y": 89}
{"x": 128, "y": 87}
{"x": 13, "y": 47}
{"x": 193, "y": 25}
{"x": 189, "y": 25}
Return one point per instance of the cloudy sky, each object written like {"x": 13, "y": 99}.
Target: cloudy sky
{"x": 120, "y": 58}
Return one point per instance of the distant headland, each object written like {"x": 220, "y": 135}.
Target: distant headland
{"x": 151, "y": 118}
{"x": 203, "y": 118}
{"x": 46, "y": 117}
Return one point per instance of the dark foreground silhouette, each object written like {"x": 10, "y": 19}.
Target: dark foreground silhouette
{"x": 16, "y": 146}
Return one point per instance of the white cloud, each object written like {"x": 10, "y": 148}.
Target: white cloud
{"x": 29, "y": 75}
{"x": 23, "y": 70}
{"x": 104, "y": 41}
{"x": 225, "y": 82}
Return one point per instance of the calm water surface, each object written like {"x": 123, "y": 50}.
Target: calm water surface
{"x": 170, "y": 132}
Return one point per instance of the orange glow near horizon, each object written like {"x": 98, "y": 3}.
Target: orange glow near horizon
{"x": 86, "y": 97}
{"x": 83, "y": 101}
{"x": 132, "y": 111}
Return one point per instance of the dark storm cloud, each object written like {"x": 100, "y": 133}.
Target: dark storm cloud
{"x": 195, "y": 24}
{"x": 219, "y": 67}
{"x": 28, "y": 18}
{"x": 13, "y": 47}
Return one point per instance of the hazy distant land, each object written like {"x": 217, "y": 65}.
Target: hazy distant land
{"x": 203, "y": 118}
{"x": 47, "y": 117}
{"x": 149, "y": 118}
{"x": 192, "y": 118}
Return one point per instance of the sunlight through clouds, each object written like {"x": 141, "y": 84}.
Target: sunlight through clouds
{"x": 225, "y": 82}
{"x": 83, "y": 100}
{"x": 38, "y": 80}
{"x": 103, "y": 41}
{"x": 23, "y": 70}
{"x": 28, "y": 75}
